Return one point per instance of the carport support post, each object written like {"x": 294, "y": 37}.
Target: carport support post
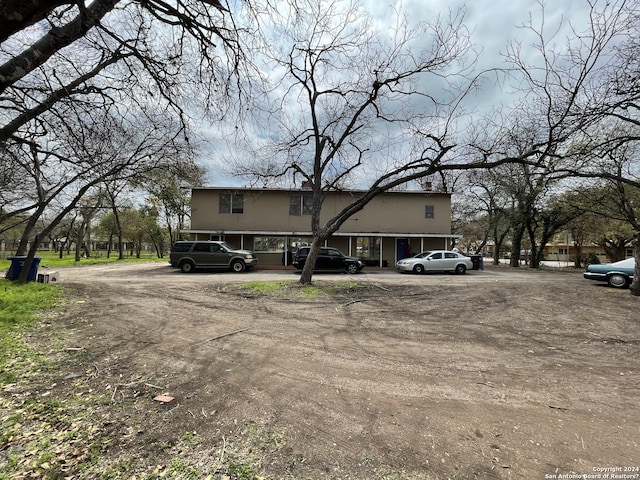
{"x": 635, "y": 285}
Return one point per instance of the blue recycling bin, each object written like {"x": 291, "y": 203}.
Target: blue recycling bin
{"x": 17, "y": 262}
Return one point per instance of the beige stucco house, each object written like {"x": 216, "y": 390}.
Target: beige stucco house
{"x": 274, "y": 222}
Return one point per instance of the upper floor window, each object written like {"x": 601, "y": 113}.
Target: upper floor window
{"x": 429, "y": 211}
{"x": 300, "y": 204}
{"x": 231, "y": 203}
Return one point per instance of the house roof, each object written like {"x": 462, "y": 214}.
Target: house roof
{"x": 304, "y": 189}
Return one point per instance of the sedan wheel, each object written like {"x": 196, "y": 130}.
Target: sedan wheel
{"x": 618, "y": 281}
{"x": 418, "y": 269}
{"x": 461, "y": 269}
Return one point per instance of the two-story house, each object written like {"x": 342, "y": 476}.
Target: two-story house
{"x": 275, "y": 222}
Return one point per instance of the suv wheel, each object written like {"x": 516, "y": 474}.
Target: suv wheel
{"x": 352, "y": 268}
{"x": 187, "y": 267}
{"x": 238, "y": 266}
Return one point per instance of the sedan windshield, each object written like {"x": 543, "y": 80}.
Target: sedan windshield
{"x": 422, "y": 255}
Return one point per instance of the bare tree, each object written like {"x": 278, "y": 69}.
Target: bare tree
{"x": 593, "y": 81}
{"x": 489, "y": 207}
{"x": 62, "y": 62}
{"x": 353, "y": 101}
{"x": 168, "y": 192}
{"x": 80, "y": 57}
{"x": 66, "y": 22}
{"x": 618, "y": 198}
{"x": 102, "y": 149}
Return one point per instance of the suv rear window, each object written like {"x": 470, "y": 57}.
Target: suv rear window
{"x": 181, "y": 247}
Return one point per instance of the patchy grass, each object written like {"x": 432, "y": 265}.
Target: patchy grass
{"x": 41, "y": 436}
{"x": 19, "y": 304}
{"x": 268, "y": 288}
{"x": 274, "y": 288}
{"x": 332, "y": 288}
{"x": 19, "y": 307}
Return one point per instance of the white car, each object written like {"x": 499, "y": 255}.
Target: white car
{"x": 435, "y": 261}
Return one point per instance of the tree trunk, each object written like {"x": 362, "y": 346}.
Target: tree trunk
{"x": 499, "y": 241}
{"x": 534, "y": 258}
{"x": 87, "y": 243}
{"x": 80, "y": 239}
{"x": 24, "y": 273}
{"x": 615, "y": 249}
{"x": 516, "y": 246}
{"x": 119, "y": 233}
{"x": 78, "y": 248}
{"x": 578, "y": 260}
{"x": 310, "y": 263}
{"x": 28, "y": 230}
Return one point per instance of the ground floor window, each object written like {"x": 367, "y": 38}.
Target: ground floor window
{"x": 297, "y": 242}
{"x": 269, "y": 244}
{"x": 368, "y": 247}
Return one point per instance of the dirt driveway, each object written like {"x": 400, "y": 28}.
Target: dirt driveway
{"x": 494, "y": 374}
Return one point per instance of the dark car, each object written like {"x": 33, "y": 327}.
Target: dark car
{"x": 190, "y": 255}
{"x": 617, "y": 274}
{"x": 329, "y": 259}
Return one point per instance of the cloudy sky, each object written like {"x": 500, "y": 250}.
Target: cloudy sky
{"x": 491, "y": 23}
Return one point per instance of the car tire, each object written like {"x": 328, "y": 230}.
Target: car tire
{"x": 461, "y": 269}
{"x": 352, "y": 268}
{"x": 238, "y": 266}
{"x": 418, "y": 269}
{"x": 618, "y": 281}
{"x": 187, "y": 267}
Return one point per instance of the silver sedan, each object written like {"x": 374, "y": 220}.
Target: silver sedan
{"x": 435, "y": 261}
